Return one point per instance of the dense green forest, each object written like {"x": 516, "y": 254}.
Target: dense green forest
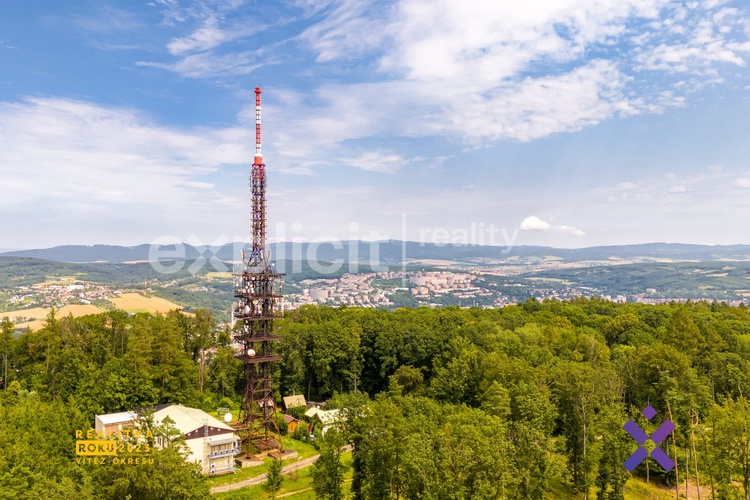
{"x": 442, "y": 404}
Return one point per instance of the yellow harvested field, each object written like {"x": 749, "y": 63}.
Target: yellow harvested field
{"x": 36, "y": 316}
{"x": 41, "y": 312}
{"x": 135, "y": 302}
{"x": 37, "y": 313}
{"x": 78, "y": 310}
{"x": 130, "y": 302}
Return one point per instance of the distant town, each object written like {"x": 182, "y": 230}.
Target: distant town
{"x": 483, "y": 283}
{"x": 61, "y": 294}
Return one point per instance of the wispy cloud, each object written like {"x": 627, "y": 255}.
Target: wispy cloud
{"x": 709, "y": 187}
{"x": 202, "y": 52}
{"x": 694, "y": 38}
{"x": 530, "y": 66}
{"x": 5, "y": 45}
{"x": 377, "y": 161}
{"x": 107, "y": 19}
{"x": 73, "y": 159}
{"x": 210, "y": 35}
{"x": 352, "y": 29}
{"x": 109, "y": 28}
{"x": 210, "y": 65}
{"x": 475, "y": 70}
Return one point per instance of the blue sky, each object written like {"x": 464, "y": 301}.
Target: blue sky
{"x": 553, "y": 122}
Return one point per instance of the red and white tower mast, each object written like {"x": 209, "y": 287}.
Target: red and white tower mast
{"x": 256, "y": 289}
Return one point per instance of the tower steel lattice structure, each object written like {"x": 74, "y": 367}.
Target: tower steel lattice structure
{"x": 259, "y": 304}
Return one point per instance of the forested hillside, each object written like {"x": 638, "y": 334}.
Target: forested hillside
{"x": 496, "y": 403}
{"x": 448, "y": 403}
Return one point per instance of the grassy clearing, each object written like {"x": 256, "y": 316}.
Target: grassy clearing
{"x": 304, "y": 451}
{"x": 637, "y": 489}
{"x": 297, "y": 482}
{"x": 297, "y": 485}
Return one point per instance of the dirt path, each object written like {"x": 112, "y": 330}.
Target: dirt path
{"x": 301, "y": 464}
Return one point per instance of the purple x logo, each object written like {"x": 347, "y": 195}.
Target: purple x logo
{"x": 641, "y": 437}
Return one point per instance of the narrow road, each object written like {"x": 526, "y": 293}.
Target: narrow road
{"x": 307, "y": 462}
{"x": 301, "y": 464}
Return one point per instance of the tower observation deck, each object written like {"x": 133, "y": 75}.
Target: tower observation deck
{"x": 258, "y": 304}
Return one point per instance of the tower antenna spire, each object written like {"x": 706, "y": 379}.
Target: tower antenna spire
{"x": 258, "y": 154}
{"x": 259, "y": 258}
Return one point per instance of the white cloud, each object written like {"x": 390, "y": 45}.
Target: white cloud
{"x": 444, "y": 40}
{"x": 491, "y": 41}
{"x": 697, "y": 38}
{"x": 469, "y": 69}
{"x": 333, "y": 116}
{"x": 677, "y": 189}
{"x": 743, "y": 182}
{"x": 569, "y": 230}
{"x": 538, "y": 107}
{"x": 477, "y": 70}
{"x": 533, "y": 223}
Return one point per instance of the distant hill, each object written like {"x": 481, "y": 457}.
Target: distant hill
{"x": 683, "y": 280}
{"x": 391, "y": 251}
{"x": 94, "y": 253}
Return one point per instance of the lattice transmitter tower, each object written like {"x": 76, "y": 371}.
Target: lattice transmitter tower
{"x": 256, "y": 289}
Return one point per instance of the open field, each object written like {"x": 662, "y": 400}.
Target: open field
{"x": 135, "y": 302}
{"x": 130, "y": 302}
{"x": 36, "y": 316}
